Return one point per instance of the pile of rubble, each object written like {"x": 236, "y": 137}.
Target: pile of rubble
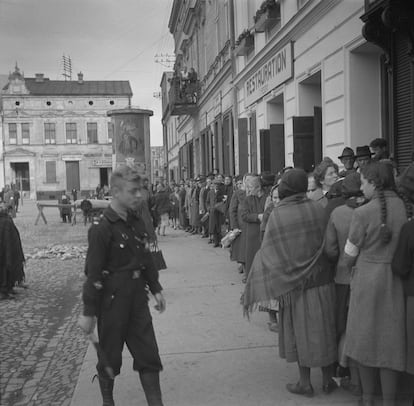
{"x": 61, "y": 252}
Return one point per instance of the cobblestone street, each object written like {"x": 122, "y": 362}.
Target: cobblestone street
{"x": 42, "y": 348}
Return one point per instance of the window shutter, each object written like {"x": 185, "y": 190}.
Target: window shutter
{"x": 50, "y": 171}
{"x": 403, "y": 103}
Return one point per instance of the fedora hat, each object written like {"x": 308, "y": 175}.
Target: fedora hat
{"x": 363, "y": 151}
{"x": 347, "y": 153}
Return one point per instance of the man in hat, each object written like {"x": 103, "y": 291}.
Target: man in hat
{"x": 379, "y": 149}
{"x": 347, "y": 159}
{"x": 363, "y": 156}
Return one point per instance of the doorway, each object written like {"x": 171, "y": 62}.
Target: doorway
{"x": 72, "y": 175}
{"x": 21, "y": 175}
{"x": 104, "y": 176}
{"x": 307, "y": 127}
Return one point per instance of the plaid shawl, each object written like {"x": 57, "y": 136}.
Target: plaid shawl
{"x": 290, "y": 255}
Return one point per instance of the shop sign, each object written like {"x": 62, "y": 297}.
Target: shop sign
{"x": 102, "y": 163}
{"x": 272, "y": 73}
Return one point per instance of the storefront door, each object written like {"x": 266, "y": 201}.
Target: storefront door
{"x": 72, "y": 175}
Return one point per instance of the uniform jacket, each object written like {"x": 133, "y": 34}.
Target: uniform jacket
{"x": 116, "y": 245}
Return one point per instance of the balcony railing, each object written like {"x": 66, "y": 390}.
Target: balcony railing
{"x": 183, "y": 96}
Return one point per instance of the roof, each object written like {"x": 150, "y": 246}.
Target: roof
{"x": 3, "y": 80}
{"x": 73, "y": 88}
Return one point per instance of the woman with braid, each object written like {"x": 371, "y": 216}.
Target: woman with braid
{"x": 375, "y": 335}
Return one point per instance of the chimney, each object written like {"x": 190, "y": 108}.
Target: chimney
{"x": 39, "y": 77}
{"x": 80, "y": 78}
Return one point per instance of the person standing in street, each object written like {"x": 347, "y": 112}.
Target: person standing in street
{"x": 11, "y": 255}
{"x": 119, "y": 268}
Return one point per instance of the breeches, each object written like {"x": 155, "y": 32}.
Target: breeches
{"x": 125, "y": 318}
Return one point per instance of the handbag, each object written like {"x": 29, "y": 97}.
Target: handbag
{"x": 221, "y": 207}
{"x": 158, "y": 258}
{"x": 205, "y": 217}
{"x": 230, "y": 237}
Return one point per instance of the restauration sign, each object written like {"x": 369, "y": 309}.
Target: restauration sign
{"x": 270, "y": 74}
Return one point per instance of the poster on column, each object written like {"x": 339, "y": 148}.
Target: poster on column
{"x": 130, "y": 140}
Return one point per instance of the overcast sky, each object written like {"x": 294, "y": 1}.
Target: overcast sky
{"x": 106, "y": 40}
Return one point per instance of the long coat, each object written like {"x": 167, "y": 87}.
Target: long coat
{"x": 251, "y": 208}
{"x": 195, "y": 207}
{"x": 236, "y": 221}
{"x": 376, "y": 317}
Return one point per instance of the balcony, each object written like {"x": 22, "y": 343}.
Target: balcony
{"x": 183, "y": 96}
{"x": 244, "y": 44}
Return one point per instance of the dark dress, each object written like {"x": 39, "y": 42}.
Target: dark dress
{"x": 11, "y": 254}
{"x": 238, "y": 247}
{"x": 252, "y": 207}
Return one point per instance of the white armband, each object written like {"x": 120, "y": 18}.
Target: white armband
{"x": 351, "y": 249}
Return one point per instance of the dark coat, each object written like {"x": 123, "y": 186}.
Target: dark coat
{"x": 162, "y": 202}
{"x": 252, "y": 207}
{"x": 11, "y": 254}
{"x": 236, "y": 221}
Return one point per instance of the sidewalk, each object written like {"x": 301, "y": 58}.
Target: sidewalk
{"x": 212, "y": 356}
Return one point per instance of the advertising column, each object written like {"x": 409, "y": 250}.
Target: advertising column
{"x": 131, "y": 142}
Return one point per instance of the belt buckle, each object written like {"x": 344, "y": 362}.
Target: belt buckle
{"x": 136, "y": 274}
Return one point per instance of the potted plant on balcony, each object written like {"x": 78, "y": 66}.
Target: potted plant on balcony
{"x": 244, "y": 43}
{"x": 267, "y": 15}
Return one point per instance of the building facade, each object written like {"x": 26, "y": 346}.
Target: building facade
{"x": 57, "y": 135}
{"x": 294, "y": 81}
{"x": 198, "y": 121}
{"x": 157, "y": 164}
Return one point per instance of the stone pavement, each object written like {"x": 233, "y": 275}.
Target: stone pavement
{"x": 42, "y": 349}
{"x": 212, "y": 356}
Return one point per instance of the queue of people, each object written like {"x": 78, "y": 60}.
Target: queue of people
{"x": 335, "y": 260}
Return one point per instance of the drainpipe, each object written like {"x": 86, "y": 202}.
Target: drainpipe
{"x": 235, "y": 112}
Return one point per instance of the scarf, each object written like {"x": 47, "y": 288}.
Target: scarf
{"x": 291, "y": 254}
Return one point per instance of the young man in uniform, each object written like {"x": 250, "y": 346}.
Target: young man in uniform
{"x": 119, "y": 268}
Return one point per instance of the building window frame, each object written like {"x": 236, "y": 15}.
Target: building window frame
{"x": 110, "y": 132}
{"x": 25, "y": 127}
{"x": 71, "y": 133}
{"x": 13, "y": 133}
{"x": 50, "y": 133}
{"x": 92, "y": 132}
{"x": 50, "y": 168}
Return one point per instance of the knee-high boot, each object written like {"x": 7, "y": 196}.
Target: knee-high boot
{"x": 151, "y": 384}
{"x": 107, "y": 386}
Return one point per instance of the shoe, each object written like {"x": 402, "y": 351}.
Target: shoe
{"x": 210, "y": 241}
{"x": 106, "y": 386}
{"x": 216, "y": 245}
{"x": 298, "y": 389}
{"x": 329, "y": 387}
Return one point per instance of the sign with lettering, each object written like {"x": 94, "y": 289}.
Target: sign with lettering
{"x": 102, "y": 163}
{"x": 272, "y": 73}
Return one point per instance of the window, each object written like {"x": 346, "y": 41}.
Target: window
{"x": 110, "y": 132}
{"x": 92, "y": 130}
{"x": 50, "y": 133}
{"x": 50, "y": 171}
{"x": 71, "y": 133}
{"x": 12, "y": 133}
{"x": 25, "y": 133}
{"x": 156, "y": 163}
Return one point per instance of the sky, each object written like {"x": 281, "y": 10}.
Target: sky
{"x": 105, "y": 39}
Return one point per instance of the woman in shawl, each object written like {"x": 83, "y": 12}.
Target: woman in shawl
{"x": 290, "y": 268}
{"x": 11, "y": 255}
